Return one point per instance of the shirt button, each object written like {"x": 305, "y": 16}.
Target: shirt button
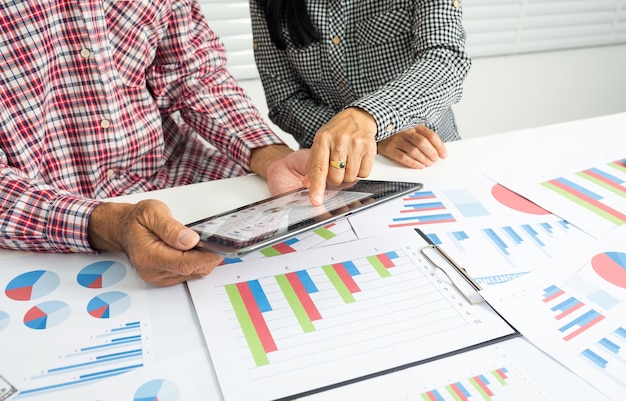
{"x": 389, "y": 127}
{"x": 105, "y": 123}
{"x": 341, "y": 84}
{"x": 110, "y": 173}
{"x": 74, "y": 250}
{"x": 456, "y": 4}
{"x": 85, "y": 53}
{"x": 255, "y": 45}
{"x": 336, "y": 40}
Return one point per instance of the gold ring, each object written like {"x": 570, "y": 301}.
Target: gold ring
{"x": 339, "y": 164}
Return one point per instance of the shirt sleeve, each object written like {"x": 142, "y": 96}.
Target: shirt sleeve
{"x": 292, "y": 105}
{"x": 434, "y": 81}
{"x": 189, "y": 75}
{"x": 37, "y": 217}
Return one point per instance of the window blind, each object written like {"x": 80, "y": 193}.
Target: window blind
{"x": 493, "y": 27}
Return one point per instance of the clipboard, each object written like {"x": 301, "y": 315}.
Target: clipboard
{"x": 456, "y": 274}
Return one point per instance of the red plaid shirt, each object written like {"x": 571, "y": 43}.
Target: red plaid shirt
{"x": 103, "y": 98}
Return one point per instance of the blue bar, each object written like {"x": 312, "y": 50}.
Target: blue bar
{"x": 229, "y": 261}
{"x": 421, "y": 195}
{"x": 460, "y": 235}
{"x": 547, "y": 227}
{"x": 112, "y": 344}
{"x": 291, "y": 241}
{"x": 514, "y": 236}
{"x": 128, "y": 326}
{"x": 72, "y": 383}
{"x": 426, "y": 206}
{"x": 548, "y": 292}
{"x": 259, "y": 296}
{"x": 484, "y": 379}
{"x": 494, "y": 237}
{"x": 430, "y": 218}
{"x": 595, "y": 358}
{"x": 437, "y": 395}
{"x": 126, "y": 338}
{"x": 620, "y": 331}
{"x": 463, "y": 389}
{"x": 606, "y": 175}
{"x": 306, "y": 281}
{"x": 91, "y": 363}
{"x": 610, "y": 345}
{"x": 581, "y": 320}
{"x": 351, "y": 268}
{"x": 392, "y": 255}
{"x": 567, "y": 304}
{"x": 434, "y": 239}
{"x": 578, "y": 188}
{"x": 533, "y": 234}
{"x": 107, "y": 372}
{"x": 125, "y": 353}
{"x": 565, "y": 224}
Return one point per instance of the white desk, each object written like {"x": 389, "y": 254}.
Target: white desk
{"x": 177, "y": 331}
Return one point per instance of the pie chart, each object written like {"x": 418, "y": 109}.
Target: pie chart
{"x": 32, "y": 285}
{"x": 514, "y": 201}
{"x": 47, "y": 315}
{"x": 101, "y": 274}
{"x": 108, "y": 305}
{"x": 4, "y": 320}
{"x": 157, "y": 390}
{"x": 611, "y": 266}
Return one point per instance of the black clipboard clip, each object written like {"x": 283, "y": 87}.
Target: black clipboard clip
{"x": 442, "y": 261}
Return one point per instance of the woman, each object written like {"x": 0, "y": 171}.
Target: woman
{"x": 361, "y": 76}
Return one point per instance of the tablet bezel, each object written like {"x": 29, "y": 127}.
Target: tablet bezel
{"x": 379, "y": 191}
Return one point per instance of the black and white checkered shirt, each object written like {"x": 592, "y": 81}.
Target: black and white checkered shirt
{"x": 403, "y": 61}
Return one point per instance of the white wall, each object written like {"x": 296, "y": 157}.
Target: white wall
{"x": 507, "y": 93}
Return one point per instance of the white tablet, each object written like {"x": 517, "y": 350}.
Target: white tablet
{"x": 272, "y": 220}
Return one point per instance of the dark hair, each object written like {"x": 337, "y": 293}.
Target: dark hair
{"x": 294, "y": 12}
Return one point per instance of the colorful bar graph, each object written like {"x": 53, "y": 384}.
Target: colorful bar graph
{"x": 251, "y": 320}
{"x": 472, "y": 388}
{"x": 281, "y": 248}
{"x": 382, "y": 263}
{"x": 325, "y": 232}
{"x": 566, "y": 308}
{"x": 299, "y": 299}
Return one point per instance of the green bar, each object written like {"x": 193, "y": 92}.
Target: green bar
{"x": 338, "y": 283}
{"x": 584, "y": 204}
{"x": 378, "y": 266}
{"x": 499, "y": 378}
{"x": 479, "y": 389}
{"x": 324, "y": 233}
{"x": 425, "y": 397}
{"x": 618, "y": 167}
{"x": 269, "y": 252}
{"x": 295, "y": 304}
{"x": 249, "y": 332}
{"x": 602, "y": 184}
{"x": 452, "y": 392}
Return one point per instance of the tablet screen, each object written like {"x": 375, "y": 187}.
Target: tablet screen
{"x": 271, "y": 220}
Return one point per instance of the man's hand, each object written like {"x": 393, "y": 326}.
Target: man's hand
{"x": 417, "y": 147}
{"x": 350, "y": 136}
{"x": 159, "y": 247}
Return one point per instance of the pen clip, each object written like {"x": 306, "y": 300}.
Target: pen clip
{"x": 467, "y": 286}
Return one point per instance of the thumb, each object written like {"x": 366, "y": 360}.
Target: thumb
{"x": 187, "y": 239}
{"x": 168, "y": 229}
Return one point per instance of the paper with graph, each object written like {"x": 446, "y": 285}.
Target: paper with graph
{"x": 293, "y": 324}
{"x": 576, "y": 311}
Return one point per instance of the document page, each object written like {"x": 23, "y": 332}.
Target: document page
{"x": 295, "y": 324}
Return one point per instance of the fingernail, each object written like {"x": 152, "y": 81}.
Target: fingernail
{"x": 188, "y": 237}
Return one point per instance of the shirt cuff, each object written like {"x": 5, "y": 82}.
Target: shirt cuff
{"x": 67, "y": 227}
{"x": 387, "y": 118}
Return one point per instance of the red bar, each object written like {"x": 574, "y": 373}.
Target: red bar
{"x": 501, "y": 373}
{"x": 458, "y": 392}
{"x": 589, "y": 200}
{"x": 583, "y": 328}
{"x": 570, "y": 310}
{"x": 553, "y": 296}
{"x": 431, "y": 396}
{"x": 257, "y": 317}
{"x": 303, "y": 296}
{"x": 346, "y": 278}
{"x": 483, "y": 386}
{"x": 384, "y": 259}
{"x": 621, "y": 163}
{"x": 283, "y": 248}
{"x": 605, "y": 180}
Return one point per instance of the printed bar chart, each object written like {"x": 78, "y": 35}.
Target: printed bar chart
{"x": 567, "y": 306}
{"x": 609, "y": 355}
